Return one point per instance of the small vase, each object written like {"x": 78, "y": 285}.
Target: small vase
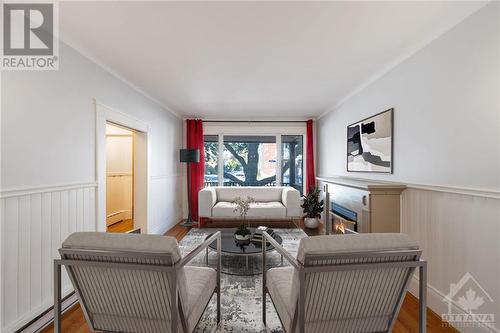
{"x": 311, "y": 222}
{"x": 243, "y": 238}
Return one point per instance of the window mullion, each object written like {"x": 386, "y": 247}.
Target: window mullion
{"x": 220, "y": 162}
{"x": 278, "y": 160}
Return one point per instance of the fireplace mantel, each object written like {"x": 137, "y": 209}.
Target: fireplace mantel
{"x": 376, "y": 203}
{"x": 365, "y": 184}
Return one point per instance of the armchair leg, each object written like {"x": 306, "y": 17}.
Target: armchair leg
{"x": 422, "y": 318}
{"x": 57, "y": 297}
{"x": 219, "y": 266}
{"x": 264, "y": 243}
{"x": 264, "y": 306}
{"x": 218, "y": 306}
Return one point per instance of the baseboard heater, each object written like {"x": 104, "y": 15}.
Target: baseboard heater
{"x": 116, "y": 217}
{"x": 47, "y": 317}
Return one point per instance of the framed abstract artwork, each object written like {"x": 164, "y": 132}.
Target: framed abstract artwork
{"x": 369, "y": 144}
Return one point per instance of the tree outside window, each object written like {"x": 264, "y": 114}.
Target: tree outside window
{"x": 252, "y": 160}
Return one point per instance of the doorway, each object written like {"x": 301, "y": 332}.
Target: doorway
{"x": 128, "y": 172}
{"x": 119, "y": 178}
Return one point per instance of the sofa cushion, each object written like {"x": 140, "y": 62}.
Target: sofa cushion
{"x": 257, "y": 209}
{"x": 354, "y": 243}
{"x": 282, "y": 284}
{"x": 261, "y": 194}
{"x": 224, "y": 209}
{"x": 196, "y": 290}
{"x": 267, "y": 209}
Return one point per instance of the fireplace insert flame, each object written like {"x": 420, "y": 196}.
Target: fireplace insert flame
{"x": 345, "y": 220}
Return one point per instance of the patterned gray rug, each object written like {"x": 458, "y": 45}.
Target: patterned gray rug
{"x": 241, "y": 299}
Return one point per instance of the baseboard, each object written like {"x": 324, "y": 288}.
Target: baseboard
{"x": 436, "y": 304}
{"x": 118, "y": 216}
{"x": 47, "y": 317}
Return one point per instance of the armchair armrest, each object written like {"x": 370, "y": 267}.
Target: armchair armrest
{"x": 280, "y": 250}
{"x": 290, "y": 198}
{"x": 201, "y": 247}
{"x": 207, "y": 198}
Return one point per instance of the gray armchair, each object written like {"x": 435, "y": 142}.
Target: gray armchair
{"x": 136, "y": 283}
{"x": 344, "y": 283}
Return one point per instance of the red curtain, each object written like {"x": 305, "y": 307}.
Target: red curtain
{"x": 310, "y": 178}
{"x": 194, "y": 140}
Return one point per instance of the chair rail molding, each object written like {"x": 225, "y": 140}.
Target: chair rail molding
{"x": 476, "y": 192}
{"x": 21, "y": 191}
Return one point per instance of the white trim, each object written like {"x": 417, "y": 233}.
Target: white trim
{"x": 220, "y": 159}
{"x": 399, "y": 60}
{"x": 279, "y": 160}
{"x": 476, "y": 192}
{"x": 21, "y": 321}
{"x": 254, "y": 129}
{"x": 106, "y": 114}
{"x": 99, "y": 63}
{"x": 120, "y": 118}
{"x": 48, "y": 318}
{"x": 20, "y": 191}
{"x": 492, "y": 194}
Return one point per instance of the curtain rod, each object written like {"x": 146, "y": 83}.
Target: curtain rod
{"x": 254, "y": 121}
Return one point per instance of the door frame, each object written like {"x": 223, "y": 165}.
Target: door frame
{"x": 142, "y": 205}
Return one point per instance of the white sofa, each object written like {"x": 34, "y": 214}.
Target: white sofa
{"x": 277, "y": 202}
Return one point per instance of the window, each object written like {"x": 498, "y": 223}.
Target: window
{"x": 211, "y": 160}
{"x": 292, "y": 161}
{"x": 235, "y": 159}
{"x": 249, "y": 160}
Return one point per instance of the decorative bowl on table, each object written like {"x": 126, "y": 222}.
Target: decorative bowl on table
{"x": 242, "y": 234}
{"x": 242, "y": 238}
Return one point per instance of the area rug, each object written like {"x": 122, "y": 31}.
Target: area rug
{"x": 241, "y": 296}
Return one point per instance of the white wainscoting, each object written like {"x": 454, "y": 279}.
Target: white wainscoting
{"x": 34, "y": 223}
{"x": 459, "y": 233}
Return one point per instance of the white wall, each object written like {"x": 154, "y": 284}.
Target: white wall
{"x": 48, "y": 177}
{"x": 446, "y": 110}
{"x": 447, "y": 134}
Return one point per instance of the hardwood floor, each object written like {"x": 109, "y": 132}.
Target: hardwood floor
{"x": 122, "y": 226}
{"x": 74, "y": 322}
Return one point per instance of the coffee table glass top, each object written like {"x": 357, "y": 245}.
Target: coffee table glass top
{"x": 230, "y": 245}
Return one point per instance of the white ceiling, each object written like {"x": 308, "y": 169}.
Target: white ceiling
{"x": 247, "y": 60}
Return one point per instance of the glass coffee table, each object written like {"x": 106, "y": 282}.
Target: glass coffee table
{"x": 233, "y": 248}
